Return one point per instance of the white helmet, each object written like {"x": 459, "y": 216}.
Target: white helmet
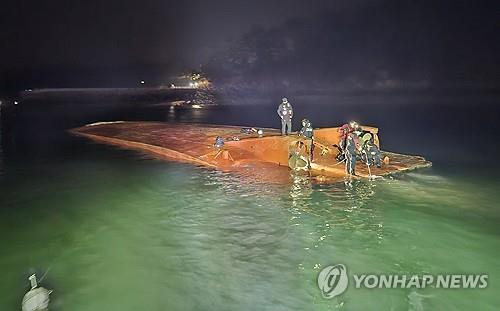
{"x": 284, "y": 99}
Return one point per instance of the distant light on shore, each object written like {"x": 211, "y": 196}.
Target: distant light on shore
{"x": 142, "y": 82}
{"x": 16, "y": 102}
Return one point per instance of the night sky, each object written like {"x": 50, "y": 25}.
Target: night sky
{"x": 109, "y": 43}
{"x": 123, "y": 33}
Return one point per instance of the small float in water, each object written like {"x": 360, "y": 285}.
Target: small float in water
{"x": 37, "y": 298}
{"x": 264, "y": 154}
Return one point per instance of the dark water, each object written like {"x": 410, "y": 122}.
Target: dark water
{"x": 119, "y": 231}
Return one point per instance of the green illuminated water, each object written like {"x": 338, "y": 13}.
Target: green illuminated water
{"x": 130, "y": 234}
{"x": 117, "y": 231}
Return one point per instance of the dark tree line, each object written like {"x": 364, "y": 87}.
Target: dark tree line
{"x": 392, "y": 44}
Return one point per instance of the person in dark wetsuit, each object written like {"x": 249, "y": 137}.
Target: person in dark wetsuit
{"x": 344, "y": 131}
{"x": 371, "y": 154}
{"x": 307, "y": 132}
{"x": 350, "y": 149}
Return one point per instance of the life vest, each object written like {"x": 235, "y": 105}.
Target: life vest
{"x": 286, "y": 111}
{"x": 307, "y": 131}
{"x": 344, "y": 130}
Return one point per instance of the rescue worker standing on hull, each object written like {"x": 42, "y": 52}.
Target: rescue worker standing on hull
{"x": 344, "y": 131}
{"x": 350, "y": 149}
{"x": 285, "y": 111}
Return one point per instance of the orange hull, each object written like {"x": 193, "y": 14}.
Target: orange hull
{"x": 265, "y": 157}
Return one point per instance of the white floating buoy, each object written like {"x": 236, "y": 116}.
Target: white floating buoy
{"x": 37, "y": 299}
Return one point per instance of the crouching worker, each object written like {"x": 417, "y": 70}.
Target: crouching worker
{"x": 308, "y": 133}
{"x": 371, "y": 154}
{"x": 219, "y": 143}
{"x": 296, "y": 159}
{"x": 219, "y": 147}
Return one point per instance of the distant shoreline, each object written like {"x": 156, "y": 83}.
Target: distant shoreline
{"x": 112, "y": 93}
{"x": 134, "y": 90}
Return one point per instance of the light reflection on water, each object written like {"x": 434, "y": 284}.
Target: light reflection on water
{"x": 120, "y": 231}
{"x": 163, "y": 232}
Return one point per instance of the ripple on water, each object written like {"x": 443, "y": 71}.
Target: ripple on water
{"x": 164, "y": 231}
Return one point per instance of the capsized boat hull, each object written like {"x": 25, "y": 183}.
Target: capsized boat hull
{"x": 266, "y": 156}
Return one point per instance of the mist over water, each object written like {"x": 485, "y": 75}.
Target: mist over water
{"x": 118, "y": 230}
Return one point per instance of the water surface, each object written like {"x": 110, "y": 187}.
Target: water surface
{"x": 117, "y": 230}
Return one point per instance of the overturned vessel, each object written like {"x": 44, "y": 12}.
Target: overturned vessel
{"x": 264, "y": 153}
